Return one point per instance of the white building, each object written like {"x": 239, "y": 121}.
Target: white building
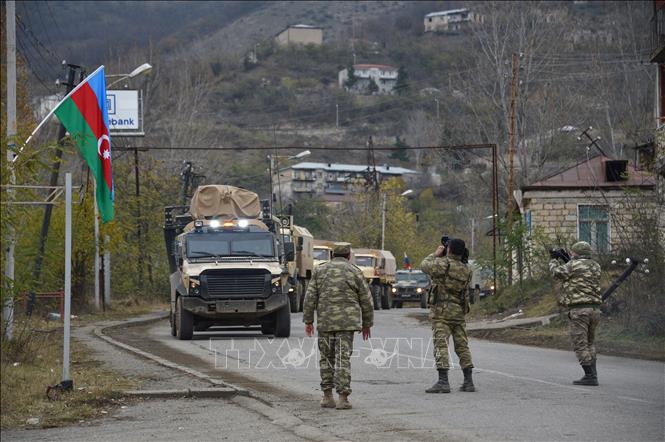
{"x": 301, "y": 35}
{"x": 331, "y": 182}
{"x": 450, "y": 21}
{"x": 385, "y": 78}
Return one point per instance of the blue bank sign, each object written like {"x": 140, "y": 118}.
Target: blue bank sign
{"x": 124, "y": 111}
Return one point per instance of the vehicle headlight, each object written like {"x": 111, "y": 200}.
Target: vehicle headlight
{"x": 243, "y": 223}
{"x": 214, "y": 223}
{"x": 195, "y": 286}
{"x": 394, "y": 290}
{"x": 419, "y": 290}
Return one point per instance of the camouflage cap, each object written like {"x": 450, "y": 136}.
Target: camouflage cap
{"x": 342, "y": 248}
{"x": 582, "y": 248}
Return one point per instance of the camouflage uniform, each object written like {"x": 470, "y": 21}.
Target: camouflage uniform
{"x": 450, "y": 281}
{"x": 339, "y": 294}
{"x": 581, "y": 296}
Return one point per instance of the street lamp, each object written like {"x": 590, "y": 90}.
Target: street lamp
{"x": 143, "y": 69}
{"x": 273, "y": 167}
{"x": 383, "y": 215}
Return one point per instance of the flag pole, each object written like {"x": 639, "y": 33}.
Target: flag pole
{"x": 67, "y": 382}
{"x": 50, "y": 114}
{"x": 97, "y": 300}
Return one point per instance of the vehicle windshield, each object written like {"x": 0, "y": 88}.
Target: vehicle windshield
{"x": 417, "y": 277}
{"x": 364, "y": 261}
{"x": 321, "y": 254}
{"x": 220, "y": 244}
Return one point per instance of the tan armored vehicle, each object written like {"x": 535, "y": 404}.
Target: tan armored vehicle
{"x": 226, "y": 264}
{"x": 322, "y": 251}
{"x": 379, "y": 267}
{"x": 300, "y": 268}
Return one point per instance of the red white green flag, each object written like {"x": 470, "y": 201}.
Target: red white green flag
{"x": 84, "y": 113}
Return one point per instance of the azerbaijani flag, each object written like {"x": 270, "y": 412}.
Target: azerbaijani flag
{"x": 84, "y": 113}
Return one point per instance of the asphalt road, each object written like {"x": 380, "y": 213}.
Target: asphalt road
{"x": 523, "y": 393}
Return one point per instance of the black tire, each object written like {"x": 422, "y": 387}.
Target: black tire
{"x": 184, "y": 322}
{"x": 376, "y": 296}
{"x": 385, "y": 297}
{"x": 283, "y": 322}
{"x": 172, "y": 323}
{"x": 397, "y": 304}
{"x": 423, "y": 300}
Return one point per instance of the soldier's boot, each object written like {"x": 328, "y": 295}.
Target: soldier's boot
{"x": 328, "y": 401}
{"x": 343, "y": 402}
{"x": 467, "y": 385}
{"x": 593, "y": 369}
{"x": 442, "y": 385}
{"x": 589, "y": 377}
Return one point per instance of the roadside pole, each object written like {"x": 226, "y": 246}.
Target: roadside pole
{"x": 383, "y": 222}
{"x": 107, "y": 271}
{"x": 67, "y": 383}
{"x": 8, "y": 307}
{"x": 97, "y": 300}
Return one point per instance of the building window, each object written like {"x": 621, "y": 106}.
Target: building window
{"x": 593, "y": 227}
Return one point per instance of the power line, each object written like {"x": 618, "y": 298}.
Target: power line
{"x": 321, "y": 148}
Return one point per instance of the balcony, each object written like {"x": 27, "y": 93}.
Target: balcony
{"x": 658, "y": 36}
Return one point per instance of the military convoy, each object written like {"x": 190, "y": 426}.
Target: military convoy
{"x": 228, "y": 266}
{"x": 233, "y": 263}
{"x": 378, "y": 267}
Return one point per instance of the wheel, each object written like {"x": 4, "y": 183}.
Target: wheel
{"x": 283, "y": 322}
{"x": 385, "y": 297}
{"x": 423, "y": 300}
{"x": 376, "y": 296}
{"x": 397, "y": 304}
{"x": 172, "y": 323}
{"x": 184, "y": 322}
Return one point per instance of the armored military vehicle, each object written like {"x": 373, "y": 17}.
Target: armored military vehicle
{"x": 301, "y": 266}
{"x": 227, "y": 266}
{"x": 410, "y": 286}
{"x": 378, "y": 267}
{"x": 322, "y": 251}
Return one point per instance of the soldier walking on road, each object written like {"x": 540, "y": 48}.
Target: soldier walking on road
{"x": 581, "y": 296}
{"x": 449, "y": 304}
{"x": 342, "y": 300}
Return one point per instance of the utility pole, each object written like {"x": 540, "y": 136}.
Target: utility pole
{"x": 473, "y": 236}
{"x": 383, "y": 222}
{"x": 137, "y": 191}
{"x": 511, "y": 159}
{"x": 337, "y": 115}
{"x": 8, "y": 307}
{"x": 55, "y": 171}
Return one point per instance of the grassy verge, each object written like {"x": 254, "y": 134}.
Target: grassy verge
{"x": 611, "y": 339}
{"x": 33, "y": 360}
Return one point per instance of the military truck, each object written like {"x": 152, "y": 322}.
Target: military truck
{"x": 322, "y": 251}
{"x": 410, "y": 286}
{"x": 378, "y": 267}
{"x": 300, "y": 268}
{"x": 227, "y": 266}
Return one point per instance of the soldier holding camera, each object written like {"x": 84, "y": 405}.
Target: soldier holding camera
{"x": 581, "y": 296}
{"x": 449, "y": 304}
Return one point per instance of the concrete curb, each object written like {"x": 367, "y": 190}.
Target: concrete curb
{"x": 208, "y": 393}
{"x": 99, "y": 332}
{"x": 240, "y": 396}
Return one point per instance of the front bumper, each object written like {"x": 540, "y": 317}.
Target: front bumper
{"x": 407, "y": 296}
{"x": 242, "y": 310}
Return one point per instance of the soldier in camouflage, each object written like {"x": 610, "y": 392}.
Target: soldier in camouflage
{"x": 581, "y": 296}
{"x": 340, "y": 296}
{"x": 448, "y": 306}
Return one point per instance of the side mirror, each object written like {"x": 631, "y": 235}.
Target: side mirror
{"x": 289, "y": 251}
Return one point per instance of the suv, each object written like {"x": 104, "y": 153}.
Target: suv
{"x": 410, "y": 286}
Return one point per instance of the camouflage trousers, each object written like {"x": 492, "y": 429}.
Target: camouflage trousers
{"x": 335, "y": 348}
{"x": 583, "y": 323}
{"x": 441, "y": 331}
